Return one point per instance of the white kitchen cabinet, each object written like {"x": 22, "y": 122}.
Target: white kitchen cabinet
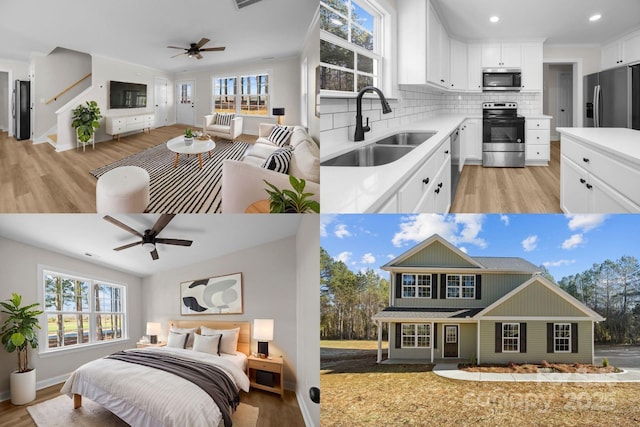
{"x": 505, "y": 55}
{"x": 459, "y": 71}
{"x": 612, "y": 55}
{"x": 532, "y": 67}
{"x": 474, "y": 67}
{"x": 390, "y": 206}
{"x": 116, "y": 125}
{"x": 437, "y": 196}
{"x": 471, "y": 141}
{"x": 624, "y": 50}
{"x": 445, "y": 58}
{"x": 631, "y": 48}
{"x": 537, "y": 142}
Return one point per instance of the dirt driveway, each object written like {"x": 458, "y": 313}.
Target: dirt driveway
{"x": 626, "y": 357}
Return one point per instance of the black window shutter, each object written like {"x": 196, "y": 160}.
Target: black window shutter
{"x": 550, "y": 348}
{"x": 434, "y": 286}
{"x": 435, "y": 335}
{"x": 498, "y": 344}
{"x": 398, "y": 285}
{"x": 523, "y": 337}
{"x": 443, "y": 286}
{"x": 574, "y": 338}
{"x": 478, "y": 286}
{"x": 398, "y": 335}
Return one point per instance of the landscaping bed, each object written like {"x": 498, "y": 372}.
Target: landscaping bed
{"x": 529, "y": 368}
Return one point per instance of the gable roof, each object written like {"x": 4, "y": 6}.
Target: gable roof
{"x": 538, "y": 279}
{"x": 507, "y": 263}
{"x": 434, "y": 239}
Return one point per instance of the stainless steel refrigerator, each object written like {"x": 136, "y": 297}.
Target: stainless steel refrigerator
{"x": 21, "y": 109}
{"x": 612, "y": 98}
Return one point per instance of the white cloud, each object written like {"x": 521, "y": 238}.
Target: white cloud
{"x": 325, "y": 221}
{"x": 368, "y": 258}
{"x": 530, "y": 243}
{"x": 341, "y": 231}
{"x": 343, "y": 256}
{"x": 559, "y": 263}
{"x": 390, "y": 256}
{"x": 573, "y": 242}
{"x": 457, "y": 229}
{"x": 463, "y": 249}
{"x": 585, "y": 222}
{"x": 504, "y": 219}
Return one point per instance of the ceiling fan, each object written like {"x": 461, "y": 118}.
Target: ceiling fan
{"x": 196, "y": 48}
{"x": 150, "y": 237}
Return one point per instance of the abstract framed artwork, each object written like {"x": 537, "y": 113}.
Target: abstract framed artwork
{"x": 215, "y": 295}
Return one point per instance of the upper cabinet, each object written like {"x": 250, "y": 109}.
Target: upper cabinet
{"x": 622, "y": 51}
{"x": 474, "y": 67}
{"x": 459, "y": 69}
{"x": 501, "y": 55}
{"x": 532, "y": 67}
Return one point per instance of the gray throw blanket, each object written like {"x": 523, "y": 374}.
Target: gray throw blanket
{"x": 209, "y": 378}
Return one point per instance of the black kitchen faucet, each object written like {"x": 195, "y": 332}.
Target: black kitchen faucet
{"x": 360, "y": 130}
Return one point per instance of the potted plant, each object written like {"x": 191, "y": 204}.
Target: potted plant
{"x": 287, "y": 201}
{"x": 188, "y": 137}
{"x": 17, "y": 334}
{"x": 86, "y": 121}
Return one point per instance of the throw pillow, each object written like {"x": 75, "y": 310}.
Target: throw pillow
{"x": 206, "y": 343}
{"x": 229, "y": 340}
{"x": 189, "y": 331}
{"x": 177, "y": 340}
{"x": 224, "y": 119}
{"x": 279, "y": 160}
{"x": 279, "y": 135}
{"x": 305, "y": 162}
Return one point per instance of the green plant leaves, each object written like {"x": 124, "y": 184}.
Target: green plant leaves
{"x": 86, "y": 118}
{"x": 288, "y": 201}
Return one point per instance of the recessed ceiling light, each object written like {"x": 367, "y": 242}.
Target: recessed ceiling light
{"x": 494, "y": 19}
{"x": 595, "y": 17}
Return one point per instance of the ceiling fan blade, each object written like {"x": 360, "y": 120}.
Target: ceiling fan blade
{"x": 202, "y": 42}
{"x": 212, "y": 49}
{"x": 125, "y": 227}
{"x": 176, "y": 47}
{"x": 130, "y": 245}
{"x": 154, "y": 254}
{"x": 183, "y": 53}
{"x": 198, "y": 56}
{"x": 161, "y": 223}
{"x": 178, "y": 242}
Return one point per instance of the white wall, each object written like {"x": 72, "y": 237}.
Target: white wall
{"x": 590, "y": 55}
{"x": 284, "y": 89}
{"x": 19, "y": 264}
{"x": 269, "y": 291}
{"x": 311, "y": 53}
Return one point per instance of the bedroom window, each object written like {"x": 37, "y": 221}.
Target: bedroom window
{"x": 461, "y": 286}
{"x": 416, "y": 286}
{"x": 246, "y": 95}
{"x": 416, "y": 335}
{"x": 350, "y": 45}
{"x": 510, "y": 337}
{"x": 81, "y": 311}
{"x": 562, "y": 337}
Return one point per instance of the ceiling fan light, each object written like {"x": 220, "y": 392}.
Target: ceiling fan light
{"x": 149, "y": 247}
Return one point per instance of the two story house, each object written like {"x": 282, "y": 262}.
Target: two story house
{"x": 446, "y": 305}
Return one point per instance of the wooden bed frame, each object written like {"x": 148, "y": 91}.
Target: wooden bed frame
{"x": 244, "y": 338}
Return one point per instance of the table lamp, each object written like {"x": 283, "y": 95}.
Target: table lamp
{"x": 279, "y": 112}
{"x": 153, "y": 330}
{"x": 263, "y": 332}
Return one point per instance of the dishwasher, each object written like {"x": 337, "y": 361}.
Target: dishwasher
{"x": 455, "y": 162}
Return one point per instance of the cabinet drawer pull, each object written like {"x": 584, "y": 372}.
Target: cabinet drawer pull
{"x": 589, "y": 186}
{"x": 446, "y": 152}
{"x": 582, "y": 181}
{"x": 585, "y": 159}
{"x": 425, "y": 181}
{"x": 437, "y": 190}
{"x": 440, "y": 185}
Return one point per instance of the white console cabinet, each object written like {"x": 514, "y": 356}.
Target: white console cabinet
{"x": 117, "y": 125}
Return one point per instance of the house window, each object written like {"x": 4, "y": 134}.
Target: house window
{"x": 246, "y": 95}
{"x": 416, "y": 286}
{"x": 562, "y": 337}
{"x": 81, "y": 311}
{"x": 350, "y": 44}
{"x": 461, "y": 286}
{"x": 416, "y": 335}
{"x": 510, "y": 337}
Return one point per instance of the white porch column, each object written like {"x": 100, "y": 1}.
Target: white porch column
{"x": 478, "y": 342}
{"x": 432, "y": 343}
{"x": 379, "y": 359}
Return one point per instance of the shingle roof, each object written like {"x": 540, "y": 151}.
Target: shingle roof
{"x": 426, "y": 313}
{"x": 507, "y": 263}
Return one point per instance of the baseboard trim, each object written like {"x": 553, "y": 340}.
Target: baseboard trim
{"x": 308, "y": 420}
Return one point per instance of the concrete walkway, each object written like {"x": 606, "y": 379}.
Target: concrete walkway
{"x": 449, "y": 370}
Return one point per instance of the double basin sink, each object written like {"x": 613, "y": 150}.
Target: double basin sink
{"x": 381, "y": 152}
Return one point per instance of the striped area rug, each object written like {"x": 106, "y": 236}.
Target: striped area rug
{"x": 187, "y": 188}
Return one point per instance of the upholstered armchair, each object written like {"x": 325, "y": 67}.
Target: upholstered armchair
{"x": 228, "y": 132}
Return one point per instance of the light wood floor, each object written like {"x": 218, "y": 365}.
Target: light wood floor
{"x": 274, "y": 412}
{"x": 510, "y": 190}
{"x": 37, "y": 179}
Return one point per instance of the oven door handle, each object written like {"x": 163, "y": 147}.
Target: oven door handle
{"x": 501, "y": 120}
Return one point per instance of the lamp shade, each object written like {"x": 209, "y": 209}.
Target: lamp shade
{"x": 263, "y": 329}
{"x": 278, "y": 111}
{"x": 153, "y": 328}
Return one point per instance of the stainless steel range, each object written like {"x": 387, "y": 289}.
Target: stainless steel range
{"x": 502, "y": 135}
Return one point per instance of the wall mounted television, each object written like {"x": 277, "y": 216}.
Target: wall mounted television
{"x": 127, "y": 95}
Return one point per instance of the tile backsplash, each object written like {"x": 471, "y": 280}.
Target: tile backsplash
{"x": 411, "y": 104}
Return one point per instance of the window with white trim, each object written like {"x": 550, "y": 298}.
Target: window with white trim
{"x": 461, "y": 286}
{"x": 510, "y": 337}
{"x": 246, "y": 95}
{"x": 416, "y": 285}
{"x": 81, "y": 311}
{"x": 351, "y": 44}
{"x": 562, "y": 337}
{"x": 416, "y": 335}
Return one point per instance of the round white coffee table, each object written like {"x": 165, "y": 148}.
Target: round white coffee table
{"x": 198, "y": 147}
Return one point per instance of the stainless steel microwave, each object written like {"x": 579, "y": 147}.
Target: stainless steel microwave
{"x": 501, "y": 79}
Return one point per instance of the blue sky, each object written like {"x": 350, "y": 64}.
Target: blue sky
{"x": 565, "y": 244}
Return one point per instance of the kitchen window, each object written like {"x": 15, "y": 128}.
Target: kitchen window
{"x": 246, "y": 95}
{"x": 81, "y": 311}
{"x": 461, "y": 286}
{"x": 351, "y": 45}
{"x": 562, "y": 337}
{"x": 416, "y": 335}
{"x": 416, "y": 286}
{"x": 511, "y": 337}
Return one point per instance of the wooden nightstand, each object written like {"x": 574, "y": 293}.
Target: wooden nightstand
{"x": 146, "y": 344}
{"x": 268, "y": 367}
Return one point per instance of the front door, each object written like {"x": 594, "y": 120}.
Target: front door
{"x": 162, "y": 97}
{"x": 185, "y": 107}
{"x": 450, "y": 340}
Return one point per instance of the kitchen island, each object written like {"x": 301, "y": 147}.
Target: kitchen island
{"x": 599, "y": 170}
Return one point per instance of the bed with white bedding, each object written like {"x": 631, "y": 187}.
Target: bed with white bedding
{"x": 147, "y": 396}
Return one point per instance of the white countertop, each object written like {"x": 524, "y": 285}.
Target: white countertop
{"x": 365, "y": 189}
{"x": 537, "y": 116}
{"x": 621, "y": 142}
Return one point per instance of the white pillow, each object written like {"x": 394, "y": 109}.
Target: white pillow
{"x": 177, "y": 340}
{"x": 190, "y": 331}
{"x": 305, "y": 162}
{"x": 229, "y": 340}
{"x": 206, "y": 343}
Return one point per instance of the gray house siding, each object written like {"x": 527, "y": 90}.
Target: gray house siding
{"x": 436, "y": 255}
{"x": 467, "y": 338}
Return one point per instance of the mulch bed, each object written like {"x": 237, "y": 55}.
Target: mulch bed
{"x": 528, "y": 368}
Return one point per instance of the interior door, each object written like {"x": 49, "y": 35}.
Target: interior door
{"x": 163, "y": 96}
{"x": 450, "y": 340}
{"x": 565, "y": 99}
{"x": 185, "y": 105}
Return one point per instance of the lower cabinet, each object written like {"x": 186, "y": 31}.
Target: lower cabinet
{"x": 537, "y": 142}
{"x": 471, "y": 141}
{"x": 437, "y": 196}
